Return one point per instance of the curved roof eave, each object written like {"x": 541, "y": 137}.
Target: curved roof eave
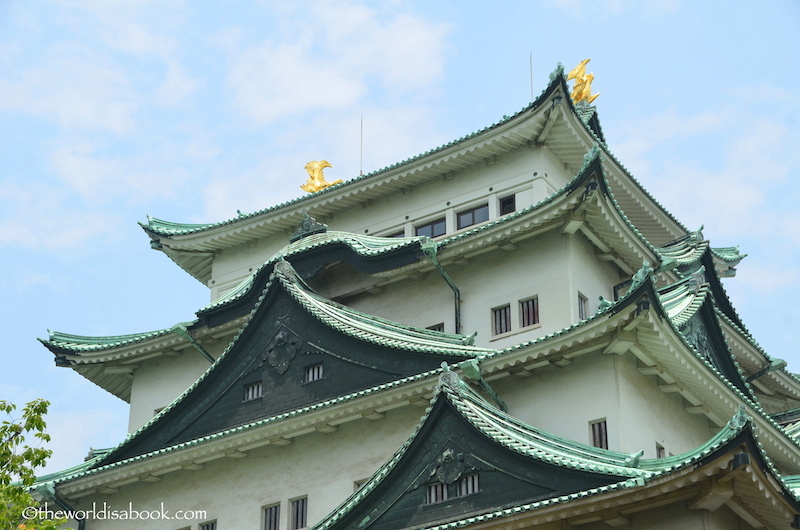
{"x": 286, "y": 215}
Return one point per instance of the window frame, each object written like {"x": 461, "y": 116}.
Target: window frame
{"x": 470, "y": 482}
{"x": 535, "y": 312}
{"x": 294, "y": 520}
{"x": 432, "y": 224}
{"x": 512, "y": 198}
{"x": 276, "y": 517}
{"x": 471, "y": 212}
{"x": 583, "y": 307}
{"x": 310, "y": 370}
{"x": 598, "y": 433}
{"x": 208, "y": 525}
{"x": 440, "y": 493}
{"x": 495, "y": 322}
{"x": 259, "y": 385}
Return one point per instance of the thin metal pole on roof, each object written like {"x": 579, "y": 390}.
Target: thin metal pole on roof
{"x": 531, "y": 70}
{"x": 361, "y": 155}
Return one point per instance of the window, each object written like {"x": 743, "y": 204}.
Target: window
{"x": 433, "y": 229}
{"x": 660, "y": 453}
{"x": 436, "y": 327}
{"x": 299, "y": 511}
{"x": 358, "y": 483}
{"x": 501, "y": 320}
{"x": 437, "y": 493}
{"x": 473, "y": 216}
{"x": 599, "y": 434}
{"x": 529, "y": 311}
{"x": 253, "y": 391}
{"x": 313, "y": 373}
{"x": 272, "y": 517}
{"x": 397, "y": 234}
{"x": 468, "y": 485}
{"x": 583, "y": 307}
{"x": 211, "y": 525}
{"x": 508, "y": 204}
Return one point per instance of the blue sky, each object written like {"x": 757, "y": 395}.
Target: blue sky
{"x": 110, "y": 111}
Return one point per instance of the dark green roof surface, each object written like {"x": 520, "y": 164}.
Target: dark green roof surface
{"x": 537, "y": 445}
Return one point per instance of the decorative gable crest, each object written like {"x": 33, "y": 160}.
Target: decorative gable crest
{"x": 308, "y": 226}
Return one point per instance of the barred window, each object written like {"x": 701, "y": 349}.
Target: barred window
{"x": 473, "y": 216}
{"x": 660, "y": 453}
{"x": 313, "y": 373}
{"x": 599, "y": 434}
{"x": 211, "y": 525}
{"x": 433, "y": 229}
{"x": 529, "y": 310}
{"x": 501, "y": 320}
{"x": 253, "y": 391}
{"x": 468, "y": 485}
{"x": 436, "y": 327}
{"x": 437, "y": 493}
{"x": 272, "y": 517}
{"x": 299, "y": 511}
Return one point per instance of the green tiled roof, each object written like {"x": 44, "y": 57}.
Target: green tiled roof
{"x": 362, "y": 245}
{"x": 545, "y": 447}
{"x": 166, "y": 228}
{"x": 372, "y": 328}
{"x": 86, "y": 344}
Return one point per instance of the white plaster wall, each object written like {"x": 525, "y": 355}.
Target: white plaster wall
{"x": 589, "y": 276}
{"x": 564, "y": 401}
{"x": 678, "y": 516}
{"x": 651, "y": 416}
{"x": 512, "y": 173}
{"x": 157, "y": 382}
{"x": 321, "y": 466}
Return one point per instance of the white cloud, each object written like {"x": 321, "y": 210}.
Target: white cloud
{"x": 328, "y": 66}
{"x": 34, "y": 215}
{"x": 75, "y": 88}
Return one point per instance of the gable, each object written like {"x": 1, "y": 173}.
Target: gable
{"x": 704, "y": 333}
{"x": 478, "y": 473}
{"x": 296, "y": 359}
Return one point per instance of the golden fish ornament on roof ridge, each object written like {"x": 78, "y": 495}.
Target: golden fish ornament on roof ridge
{"x": 316, "y": 179}
{"x": 582, "y": 89}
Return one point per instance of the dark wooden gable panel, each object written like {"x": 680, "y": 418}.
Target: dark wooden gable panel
{"x": 447, "y": 450}
{"x": 704, "y": 333}
{"x": 277, "y": 347}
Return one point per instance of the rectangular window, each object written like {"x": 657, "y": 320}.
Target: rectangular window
{"x": 272, "y": 517}
{"x": 508, "y": 205}
{"x": 501, "y": 320}
{"x": 253, "y": 391}
{"x": 599, "y": 434}
{"x": 433, "y": 229}
{"x": 468, "y": 485}
{"x": 437, "y": 493}
{"x": 211, "y": 525}
{"x": 473, "y": 216}
{"x": 436, "y": 327}
{"x": 313, "y": 373}
{"x": 529, "y": 311}
{"x": 583, "y": 307}
{"x": 660, "y": 453}
{"x": 299, "y": 511}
